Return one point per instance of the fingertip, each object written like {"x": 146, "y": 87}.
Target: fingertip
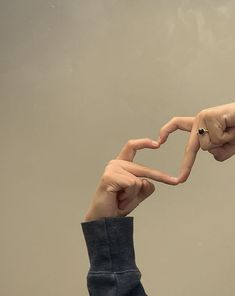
{"x": 184, "y": 176}
{"x": 148, "y": 188}
{"x": 159, "y": 140}
{"x": 156, "y": 144}
{"x": 162, "y": 139}
{"x": 170, "y": 180}
{"x": 175, "y": 181}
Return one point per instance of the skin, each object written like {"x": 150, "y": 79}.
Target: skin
{"x": 219, "y": 141}
{"x": 125, "y": 184}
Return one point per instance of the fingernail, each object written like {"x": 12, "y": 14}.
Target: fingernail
{"x": 156, "y": 144}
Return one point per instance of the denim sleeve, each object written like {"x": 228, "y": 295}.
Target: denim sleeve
{"x": 113, "y": 271}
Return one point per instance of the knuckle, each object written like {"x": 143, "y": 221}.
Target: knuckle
{"x": 135, "y": 183}
{"x": 111, "y": 162}
{"x": 203, "y": 112}
{"x": 225, "y": 117}
{"x": 174, "y": 119}
{"x": 106, "y": 177}
{"x": 132, "y": 183}
{"x": 208, "y": 114}
{"x": 130, "y": 143}
{"x": 197, "y": 116}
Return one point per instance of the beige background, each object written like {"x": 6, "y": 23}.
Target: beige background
{"x": 77, "y": 80}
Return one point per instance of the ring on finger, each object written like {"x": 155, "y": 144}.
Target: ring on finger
{"x": 201, "y": 131}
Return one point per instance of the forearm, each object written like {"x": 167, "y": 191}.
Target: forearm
{"x": 110, "y": 246}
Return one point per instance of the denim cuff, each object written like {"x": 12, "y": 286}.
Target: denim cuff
{"x": 110, "y": 244}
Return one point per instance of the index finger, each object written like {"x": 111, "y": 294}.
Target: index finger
{"x": 129, "y": 150}
{"x": 190, "y": 154}
{"x": 128, "y": 153}
{"x": 176, "y": 123}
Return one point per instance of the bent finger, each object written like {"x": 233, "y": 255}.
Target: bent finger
{"x": 220, "y": 136}
{"x": 130, "y": 148}
{"x": 146, "y": 172}
{"x": 146, "y": 190}
{"x": 190, "y": 154}
{"x": 204, "y": 139}
{"x": 228, "y": 135}
{"x": 181, "y": 123}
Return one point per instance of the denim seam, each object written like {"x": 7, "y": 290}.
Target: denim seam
{"x": 107, "y": 235}
{"x": 117, "y": 287}
{"x": 110, "y": 257}
{"x": 115, "y": 272}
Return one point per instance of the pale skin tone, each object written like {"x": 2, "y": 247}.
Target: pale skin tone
{"x": 125, "y": 184}
{"x": 219, "y": 140}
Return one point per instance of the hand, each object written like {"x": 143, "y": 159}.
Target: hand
{"x": 219, "y": 140}
{"x": 123, "y": 185}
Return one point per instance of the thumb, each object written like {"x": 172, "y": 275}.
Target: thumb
{"x": 224, "y": 152}
{"x": 146, "y": 190}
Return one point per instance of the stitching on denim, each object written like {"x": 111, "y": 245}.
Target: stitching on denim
{"x": 110, "y": 257}
{"x": 117, "y": 286}
{"x": 114, "y": 272}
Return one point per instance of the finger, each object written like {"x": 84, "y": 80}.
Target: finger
{"x": 182, "y": 123}
{"x": 228, "y": 135}
{"x": 190, "y": 154}
{"x": 146, "y": 172}
{"x": 116, "y": 182}
{"x": 122, "y": 205}
{"x": 129, "y": 189}
{"x": 132, "y": 187}
{"x": 130, "y": 193}
{"x": 127, "y": 196}
{"x": 204, "y": 139}
{"x": 146, "y": 190}
{"x": 132, "y": 190}
{"x": 224, "y": 152}
{"x": 129, "y": 150}
{"x": 220, "y": 134}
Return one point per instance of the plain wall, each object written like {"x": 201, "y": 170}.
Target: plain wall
{"x": 78, "y": 79}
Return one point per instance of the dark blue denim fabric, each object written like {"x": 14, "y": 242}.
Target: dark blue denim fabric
{"x": 113, "y": 271}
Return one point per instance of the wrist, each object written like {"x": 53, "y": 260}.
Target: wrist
{"x": 93, "y": 214}
{"x": 102, "y": 206}
{"x": 89, "y": 218}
